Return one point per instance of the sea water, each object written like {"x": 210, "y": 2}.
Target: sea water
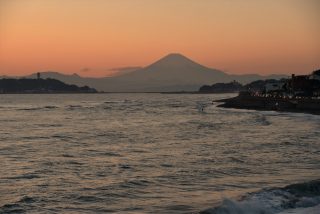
{"x": 154, "y": 153}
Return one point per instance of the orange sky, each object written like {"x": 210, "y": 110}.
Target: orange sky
{"x": 90, "y": 37}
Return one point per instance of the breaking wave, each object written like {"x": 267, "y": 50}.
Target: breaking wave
{"x": 274, "y": 200}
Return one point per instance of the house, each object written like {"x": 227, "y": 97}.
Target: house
{"x": 315, "y": 75}
{"x": 274, "y": 87}
{"x": 305, "y": 85}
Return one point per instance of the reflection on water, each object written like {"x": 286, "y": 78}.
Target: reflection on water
{"x": 145, "y": 153}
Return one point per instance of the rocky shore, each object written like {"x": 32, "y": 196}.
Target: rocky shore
{"x": 247, "y": 101}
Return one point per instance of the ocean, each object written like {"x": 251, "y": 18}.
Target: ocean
{"x": 154, "y": 153}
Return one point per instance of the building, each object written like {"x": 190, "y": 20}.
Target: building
{"x": 315, "y": 75}
{"x": 274, "y": 87}
{"x": 304, "y": 85}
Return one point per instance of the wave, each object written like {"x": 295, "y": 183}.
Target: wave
{"x": 302, "y": 196}
{"x": 37, "y": 108}
{"x": 24, "y": 176}
{"x": 118, "y": 101}
{"x": 74, "y": 107}
{"x": 79, "y": 107}
{"x": 18, "y": 206}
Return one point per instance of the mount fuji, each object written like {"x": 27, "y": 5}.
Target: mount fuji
{"x": 173, "y": 72}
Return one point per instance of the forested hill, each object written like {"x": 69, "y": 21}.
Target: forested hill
{"x": 40, "y": 86}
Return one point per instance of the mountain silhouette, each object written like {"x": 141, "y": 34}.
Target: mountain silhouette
{"x": 40, "y": 85}
{"x": 173, "y": 72}
{"x": 179, "y": 66}
{"x": 176, "y": 62}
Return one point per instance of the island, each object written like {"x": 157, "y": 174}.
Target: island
{"x": 39, "y": 85}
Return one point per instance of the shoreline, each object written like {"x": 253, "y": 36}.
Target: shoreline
{"x": 103, "y": 92}
{"x": 245, "y": 101}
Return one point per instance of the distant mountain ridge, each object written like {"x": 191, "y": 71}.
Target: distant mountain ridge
{"x": 173, "y": 72}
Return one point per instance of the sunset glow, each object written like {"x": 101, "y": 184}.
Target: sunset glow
{"x": 91, "y": 37}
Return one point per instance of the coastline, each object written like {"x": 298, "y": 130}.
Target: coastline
{"x": 246, "y": 101}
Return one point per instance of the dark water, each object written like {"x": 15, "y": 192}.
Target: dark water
{"x": 149, "y": 153}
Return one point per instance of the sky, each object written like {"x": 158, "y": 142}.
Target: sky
{"x": 95, "y": 37}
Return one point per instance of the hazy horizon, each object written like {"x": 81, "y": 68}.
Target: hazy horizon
{"x": 91, "y": 38}
{"x": 128, "y": 69}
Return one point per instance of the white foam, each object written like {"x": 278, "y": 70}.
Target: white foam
{"x": 308, "y": 210}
